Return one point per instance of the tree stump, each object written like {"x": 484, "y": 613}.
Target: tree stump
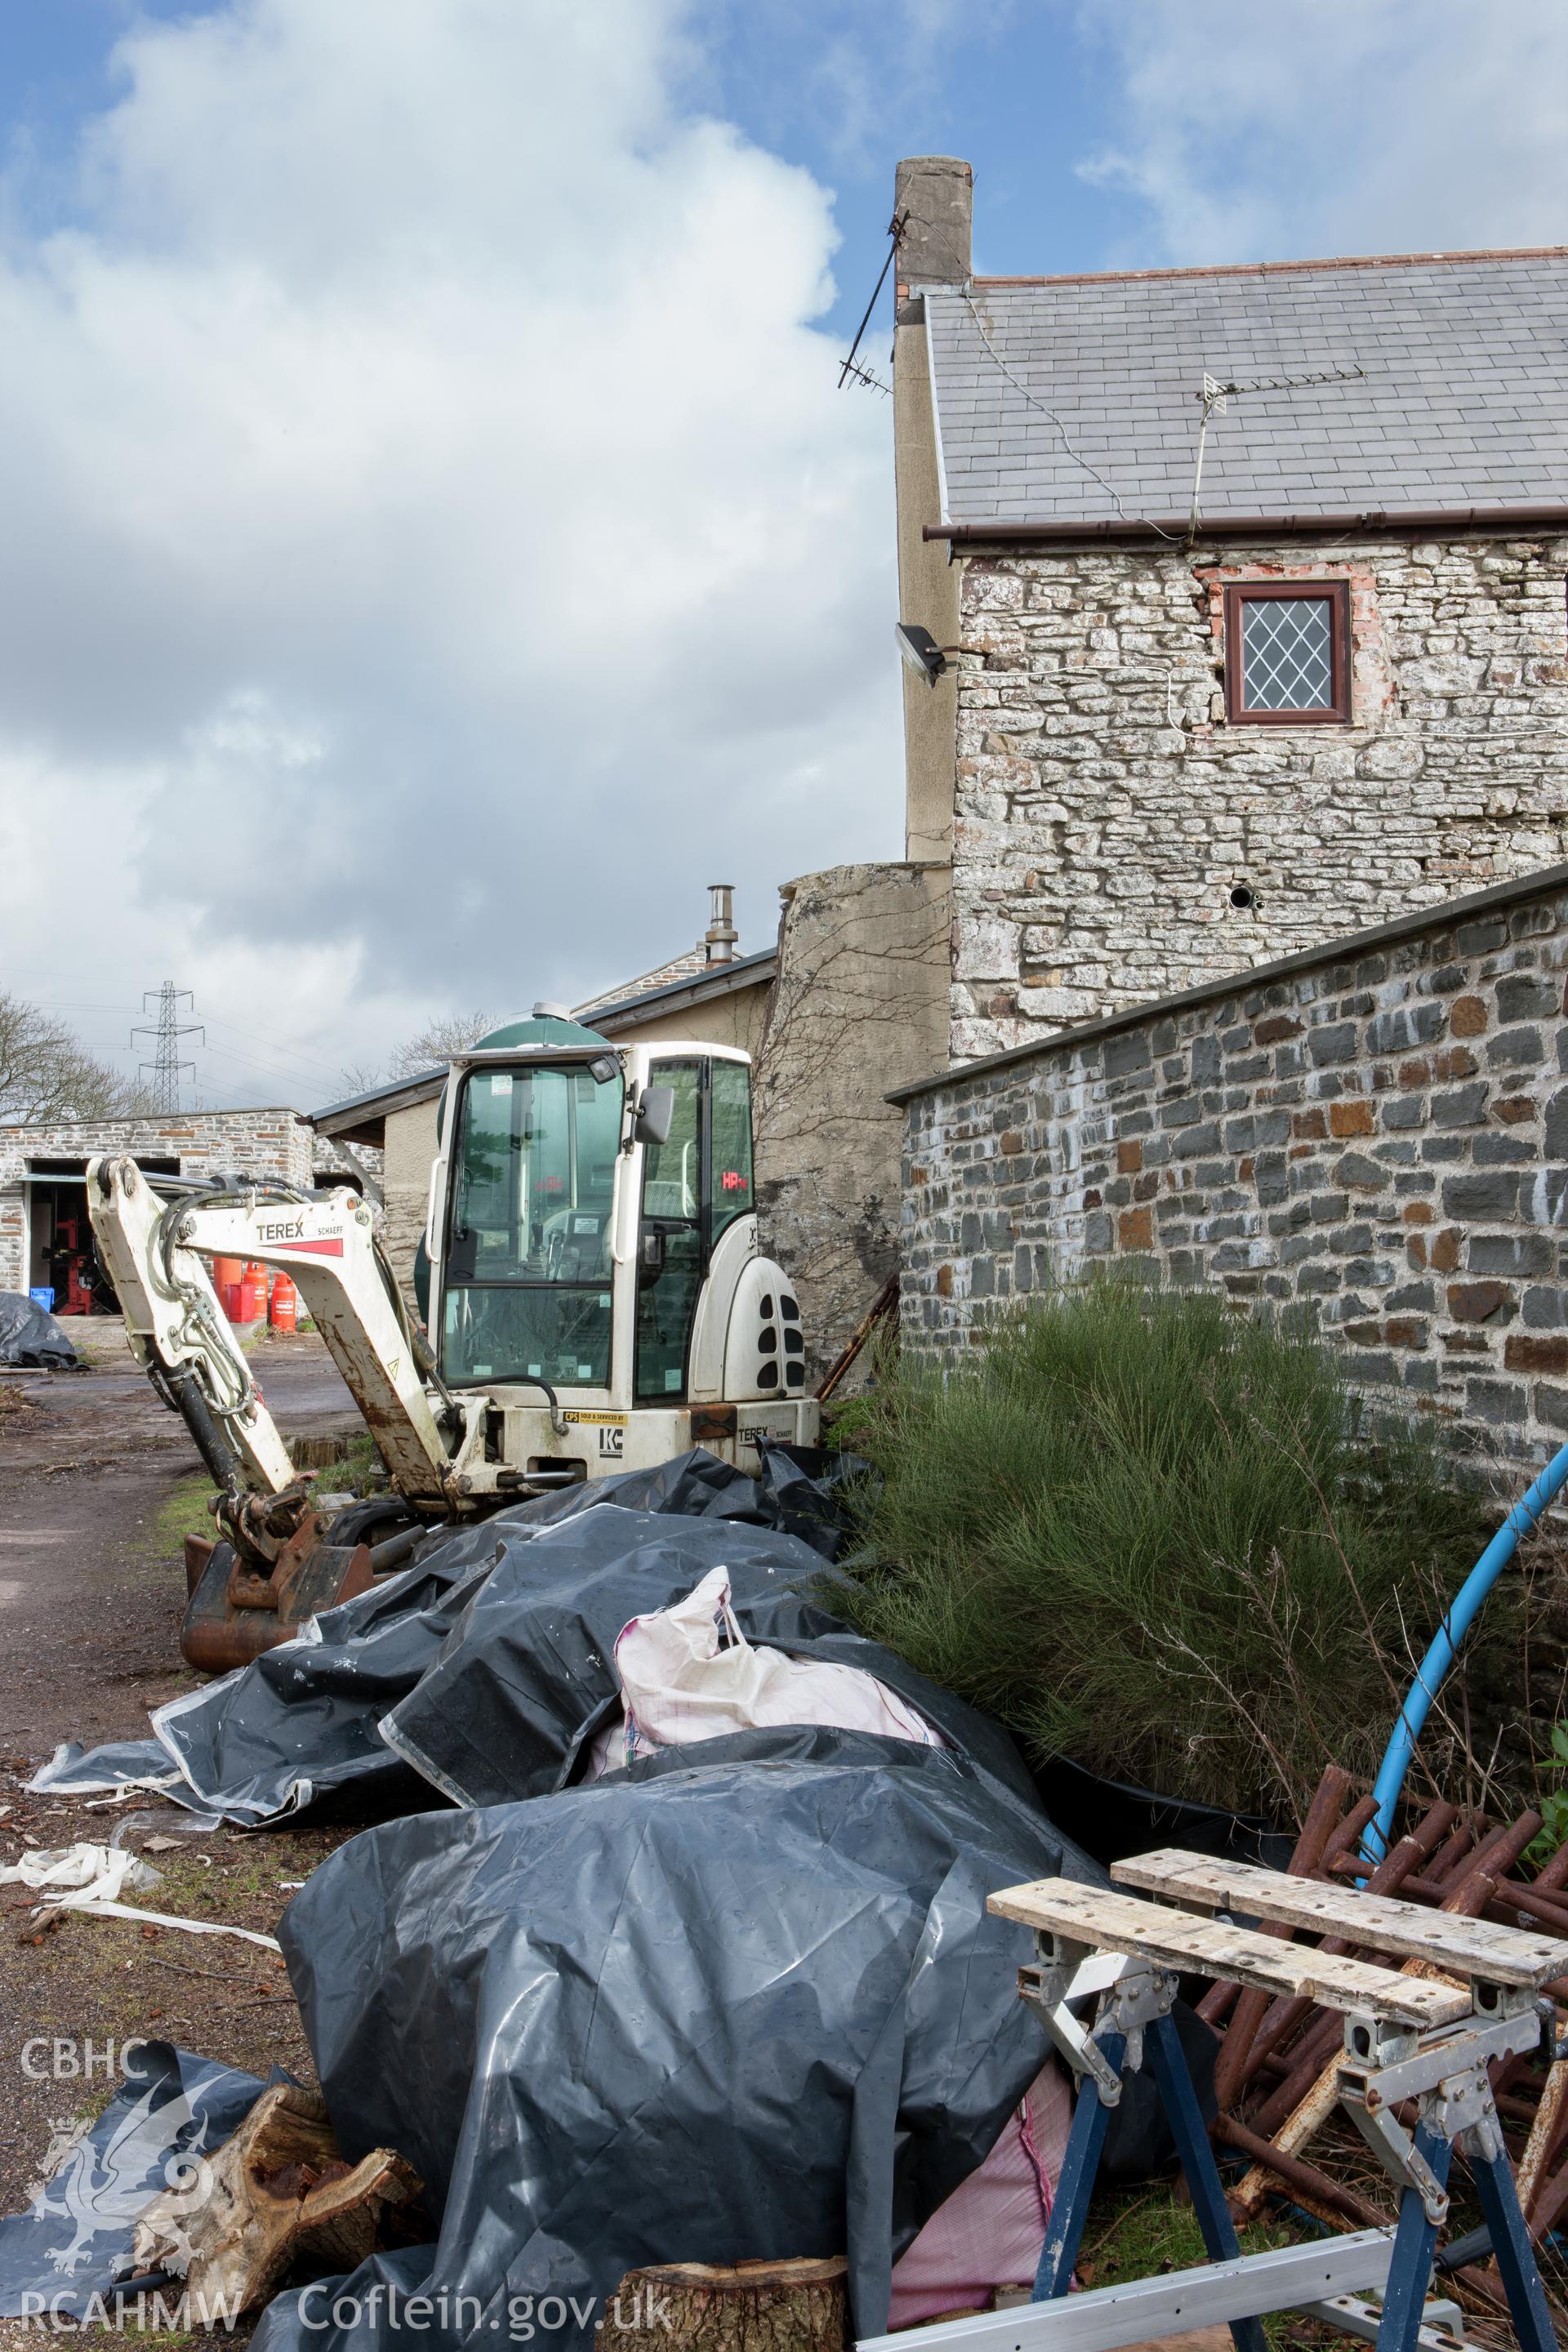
{"x": 277, "y": 2190}
{"x": 800, "y": 2305}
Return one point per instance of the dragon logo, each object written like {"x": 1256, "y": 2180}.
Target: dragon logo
{"x": 152, "y": 2151}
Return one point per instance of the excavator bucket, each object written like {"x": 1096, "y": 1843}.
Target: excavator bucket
{"x": 235, "y": 1612}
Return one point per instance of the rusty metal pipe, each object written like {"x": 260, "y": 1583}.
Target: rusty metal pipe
{"x": 1391, "y": 1876}
{"x": 1321, "y": 1815}
{"x": 1295, "y": 2173}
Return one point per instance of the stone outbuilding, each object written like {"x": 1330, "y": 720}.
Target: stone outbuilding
{"x": 44, "y": 1241}
{"x": 1167, "y": 724}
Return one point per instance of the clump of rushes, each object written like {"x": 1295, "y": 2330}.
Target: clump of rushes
{"x": 1165, "y": 1538}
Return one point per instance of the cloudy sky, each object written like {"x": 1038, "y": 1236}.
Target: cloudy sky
{"x": 433, "y": 545}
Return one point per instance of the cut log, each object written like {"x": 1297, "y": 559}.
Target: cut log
{"x": 800, "y": 2305}
{"x": 279, "y": 2190}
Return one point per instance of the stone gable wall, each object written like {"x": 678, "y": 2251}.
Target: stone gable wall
{"x": 1106, "y": 808}
{"x": 1381, "y": 1131}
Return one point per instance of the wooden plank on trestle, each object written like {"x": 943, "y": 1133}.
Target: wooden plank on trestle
{"x": 1470, "y": 1947}
{"x": 1110, "y": 1921}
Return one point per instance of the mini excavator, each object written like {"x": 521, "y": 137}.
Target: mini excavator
{"x": 596, "y": 1299}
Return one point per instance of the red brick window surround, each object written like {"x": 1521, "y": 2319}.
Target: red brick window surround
{"x": 1286, "y": 653}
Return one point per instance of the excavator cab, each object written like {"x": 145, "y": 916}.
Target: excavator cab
{"x": 593, "y": 1238}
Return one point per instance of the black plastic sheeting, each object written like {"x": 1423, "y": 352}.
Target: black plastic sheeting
{"x": 96, "y": 1771}
{"x": 528, "y": 1677}
{"x": 749, "y": 2005}
{"x": 1111, "y": 1818}
{"x": 297, "y": 1729}
{"x": 742, "y": 1999}
{"x": 799, "y": 1493}
{"x": 29, "y": 1336}
{"x": 74, "y": 2241}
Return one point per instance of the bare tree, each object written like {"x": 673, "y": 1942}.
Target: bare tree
{"x": 452, "y": 1033}
{"x": 429, "y": 1049}
{"x": 48, "y": 1076}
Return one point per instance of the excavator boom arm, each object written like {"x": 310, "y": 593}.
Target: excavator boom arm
{"x": 154, "y": 1243}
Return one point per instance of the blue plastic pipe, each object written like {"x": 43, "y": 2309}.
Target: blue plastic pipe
{"x": 1445, "y": 1649}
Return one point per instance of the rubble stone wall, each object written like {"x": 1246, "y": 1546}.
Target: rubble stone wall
{"x": 1379, "y": 1128}
{"x": 333, "y": 1162}
{"x": 205, "y": 1143}
{"x": 1105, "y": 809}
{"x": 860, "y": 1006}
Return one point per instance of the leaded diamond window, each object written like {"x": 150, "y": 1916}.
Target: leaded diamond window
{"x": 1286, "y": 662}
{"x": 1286, "y": 652}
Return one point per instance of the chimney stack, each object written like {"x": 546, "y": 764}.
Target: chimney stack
{"x": 721, "y": 935}
{"x": 937, "y": 192}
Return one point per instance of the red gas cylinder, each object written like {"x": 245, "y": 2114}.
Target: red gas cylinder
{"x": 227, "y": 1273}
{"x": 255, "y": 1275}
{"x": 284, "y": 1312}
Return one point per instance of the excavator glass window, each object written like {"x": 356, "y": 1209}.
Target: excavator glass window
{"x": 693, "y": 1186}
{"x": 527, "y": 1271}
{"x": 671, "y": 1261}
{"x": 731, "y": 1186}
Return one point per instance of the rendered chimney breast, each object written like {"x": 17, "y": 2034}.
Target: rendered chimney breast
{"x": 933, "y": 197}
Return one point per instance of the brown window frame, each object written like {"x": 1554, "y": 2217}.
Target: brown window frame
{"x": 1337, "y": 712}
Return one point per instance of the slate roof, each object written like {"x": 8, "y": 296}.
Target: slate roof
{"x": 690, "y": 987}
{"x": 1463, "y": 401}
{"x": 367, "y": 1110}
{"x": 664, "y": 975}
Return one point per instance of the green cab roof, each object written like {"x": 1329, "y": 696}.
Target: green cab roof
{"x": 543, "y": 1029}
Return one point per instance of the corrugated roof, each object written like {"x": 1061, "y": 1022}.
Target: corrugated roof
{"x": 1463, "y": 399}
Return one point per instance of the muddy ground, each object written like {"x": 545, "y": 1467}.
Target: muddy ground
{"x": 98, "y": 1484}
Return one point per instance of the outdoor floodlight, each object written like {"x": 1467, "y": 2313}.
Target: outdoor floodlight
{"x": 921, "y": 650}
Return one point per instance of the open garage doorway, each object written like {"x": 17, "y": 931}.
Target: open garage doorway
{"x": 59, "y": 1238}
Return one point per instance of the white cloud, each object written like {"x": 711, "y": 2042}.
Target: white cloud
{"x": 1309, "y": 127}
{"x": 434, "y": 545}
